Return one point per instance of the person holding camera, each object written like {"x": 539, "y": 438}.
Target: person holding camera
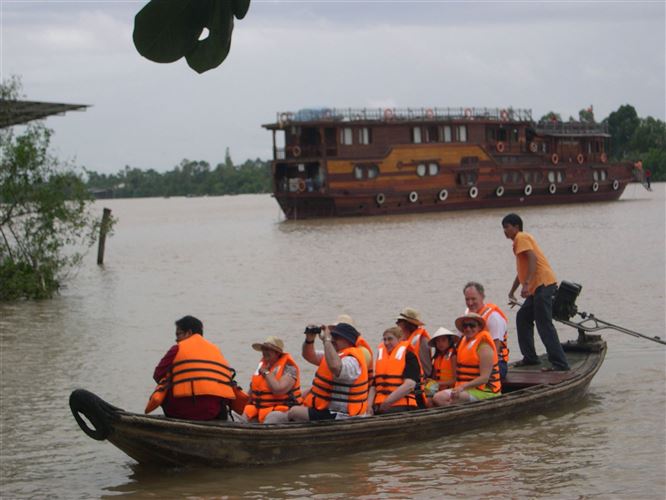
{"x": 340, "y": 385}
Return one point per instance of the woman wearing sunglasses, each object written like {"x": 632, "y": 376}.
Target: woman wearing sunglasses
{"x": 477, "y": 371}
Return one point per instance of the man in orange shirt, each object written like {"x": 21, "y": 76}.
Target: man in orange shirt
{"x": 538, "y": 286}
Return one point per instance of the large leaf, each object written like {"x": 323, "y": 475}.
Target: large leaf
{"x": 166, "y": 30}
{"x": 210, "y": 52}
{"x": 240, "y": 8}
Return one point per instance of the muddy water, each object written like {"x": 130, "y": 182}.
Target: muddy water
{"x": 237, "y": 265}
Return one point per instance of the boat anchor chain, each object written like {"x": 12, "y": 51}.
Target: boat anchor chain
{"x": 97, "y": 411}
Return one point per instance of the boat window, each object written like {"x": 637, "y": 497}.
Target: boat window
{"x": 560, "y": 177}
{"x": 346, "y": 136}
{"x": 515, "y": 135}
{"x": 603, "y": 175}
{"x": 358, "y": 172}
{"x": 373, "y": 171}
{"x": 538, "y": 177}
{"x": 421, "y": 169}
{"x": 551, "y": 176}
{"x": 501, "y": 135}
{"x": 462, "y": 133}
{"x": 432, "y": 135}
{"x": 466, "y": 178}
{"x": 433, "y": 168}
{"x": 544, "y": 147}
{"x": 595, "y": 175}
{"x": 505, "y": 178}
{"x": 446, "y": 133}
{"x": 491, "y": 134}
{"x": 364, "y": 135}
{"x": 516, "y": 177}
{"x": 527, "y": 175}
{"x": 416, "y": 135}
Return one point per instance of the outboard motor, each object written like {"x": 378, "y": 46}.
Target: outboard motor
{"x": 564, "y": 305}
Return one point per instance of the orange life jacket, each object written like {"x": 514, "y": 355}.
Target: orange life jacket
{"x": 158, "y": 395}
{"x": 442, "y": 366}
{"x": 200, "y": 369}
{"x": 263, "y": 400}
{"x": 468, "y": 364}
{"x": 356, "y": 394}
{"x": 389, "y": 370}
{"x": 485, "y": 312}
{"x": 361, "y": 342}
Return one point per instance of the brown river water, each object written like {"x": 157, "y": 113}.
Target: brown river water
{"x": 236, "y": 264}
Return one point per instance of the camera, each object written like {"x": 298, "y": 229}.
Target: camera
{"x": 312, "y": 329}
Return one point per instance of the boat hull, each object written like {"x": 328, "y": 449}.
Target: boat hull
{"x": 160, "y": 440}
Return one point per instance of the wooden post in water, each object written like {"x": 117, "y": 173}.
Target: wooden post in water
{"x": 103, "y": 228}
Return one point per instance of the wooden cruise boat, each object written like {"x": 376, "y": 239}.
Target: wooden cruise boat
{"x": 343, "y": 162}
{"x": 160, "y": 440}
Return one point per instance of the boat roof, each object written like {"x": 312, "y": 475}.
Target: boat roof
{"x": 398, "y": 115}
{"x": 572, "y": 129}
{"x": 18, "y": 112}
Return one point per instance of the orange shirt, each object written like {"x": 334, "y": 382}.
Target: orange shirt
{"x": 543, "y": 274}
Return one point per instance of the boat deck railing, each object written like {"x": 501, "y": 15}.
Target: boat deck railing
{"x": 570, "y": 128}
{"x": 403, "y": 114}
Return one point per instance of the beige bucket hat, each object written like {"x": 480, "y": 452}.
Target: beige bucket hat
{"x": 271, "y": 342}
{"x": 411, "y": 315}
{"x": 470, "y": 316}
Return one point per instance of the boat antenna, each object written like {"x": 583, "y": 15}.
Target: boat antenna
{"x": 564, "y": 308}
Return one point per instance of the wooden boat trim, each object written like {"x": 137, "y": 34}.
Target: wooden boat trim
{"x": 155, "y": 439}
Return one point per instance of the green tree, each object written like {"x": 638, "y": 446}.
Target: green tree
{"x": 44, "y": 216}
{"x": 622, "y": 125}
{"x": 586, "y": 115}
{"x": 551, "y": 116}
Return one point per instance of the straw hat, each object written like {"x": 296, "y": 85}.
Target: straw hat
{"x": 345, "y": 318}
{"x": 441, "y": 332}
{"x": 411, "y": 316}
{"x": 470, "y": 316}
{"x": 271, "y": 342}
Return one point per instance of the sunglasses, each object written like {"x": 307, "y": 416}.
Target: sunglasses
{"x": 469, "y": 325}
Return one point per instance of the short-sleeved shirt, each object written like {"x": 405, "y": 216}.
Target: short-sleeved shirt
{"x": 544, "y": 274}
{"x": 351, "y": 370}
{"x": 412, "y": 369}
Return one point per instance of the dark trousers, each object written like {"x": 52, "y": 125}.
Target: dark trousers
{"x": 538, "y": 308}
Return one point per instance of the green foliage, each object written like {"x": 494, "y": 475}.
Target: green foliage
{"x": 166, "y": 30}
{"x": 189, "y": 178}
{"x": 551, "y": 116}
{"x": 44, "y": 214}
{"x": 622, "y": 125}
{"x": 586, "y": 115}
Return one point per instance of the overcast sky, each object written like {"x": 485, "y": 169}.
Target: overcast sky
{"x": 287, "y": 55}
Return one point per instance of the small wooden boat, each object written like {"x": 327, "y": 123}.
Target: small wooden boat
{"x": 161, "y": 440}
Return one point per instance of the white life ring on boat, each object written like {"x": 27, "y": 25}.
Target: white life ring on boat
{"x": 504, "y": 115}
{"x": 574, "y": 188}
{"x": 380, "y": 198}
{"x": 296, "y": 151}
{"x": 580, "y": 158}
{"x": 388, "y": 114}
{"x": 468, "y": 113}
{"x": 443, "y": 195}
{"x": 301, "y": 185}
{"x": 595, "y": 186}
{"x": 499, "y": 192}
{"x": 533, "y": 147}
{"x": 413, "y": 197}
{"x": 552, "y": 188}
{"x": 554, "y": 159}
{"x": 500, "y": 147}
{"x": 604, "y": 158}
{"x": 429, "y": 114}
{"x": 473, "y": 192}
{"x": 284, "y": 117}
{"x": 528, "y": 190}
{"x": 616, "y": 185}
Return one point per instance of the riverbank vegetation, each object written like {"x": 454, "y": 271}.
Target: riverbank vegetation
{"x": 44, "y": 216}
